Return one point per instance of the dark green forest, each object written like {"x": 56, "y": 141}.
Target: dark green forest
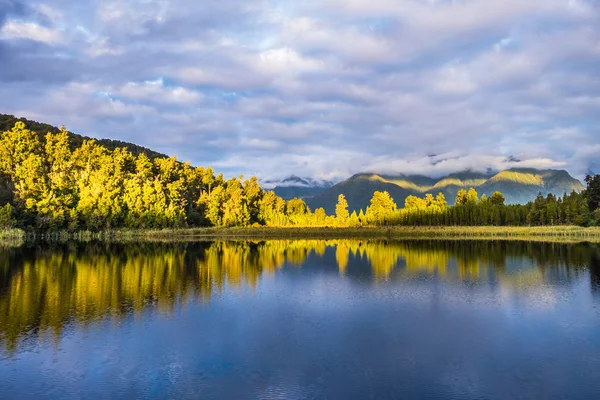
{"x": 60, "y": 181}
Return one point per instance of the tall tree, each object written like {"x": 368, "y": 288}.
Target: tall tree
{"x": 472, "y": 196}
{"x": 497, "y": 199}
{"x": 341, "y": 209}
{"x": 593, "y": 191}
{"x": 461, "y": 197}
{"x": 382, "y": 207}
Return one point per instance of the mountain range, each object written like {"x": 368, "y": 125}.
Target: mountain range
{"x": 519, "y": 185}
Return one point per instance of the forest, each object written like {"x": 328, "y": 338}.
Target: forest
{"x": 48, "y": 184}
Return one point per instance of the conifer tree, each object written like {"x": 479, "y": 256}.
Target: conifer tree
{"x": 497, "y": 199}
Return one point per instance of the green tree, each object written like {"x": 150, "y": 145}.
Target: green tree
{"x": 214, "y": 212}
{"x": 593, "y": 192}
{"x": 7, "y": 219}
{"x": 497, "y": 199}
{"x": 296, "y": 207}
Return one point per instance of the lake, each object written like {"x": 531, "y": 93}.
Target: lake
{"x": 301, "y": 319}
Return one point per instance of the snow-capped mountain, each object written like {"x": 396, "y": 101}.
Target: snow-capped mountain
{"x": 296, "y": 181}
{"x": 295, "y": 186}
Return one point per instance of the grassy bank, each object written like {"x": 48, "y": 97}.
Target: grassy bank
{"x": 553, "y": 233}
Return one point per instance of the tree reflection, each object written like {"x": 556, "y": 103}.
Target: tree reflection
{"x": 43, "y": 289}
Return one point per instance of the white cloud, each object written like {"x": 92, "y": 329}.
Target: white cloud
{"x": 324, "y": 88}
{"x": 31, "y": 31}
{"x": 156, "y": 91}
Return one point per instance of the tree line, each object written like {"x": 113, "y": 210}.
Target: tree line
{"x": 47, "y": 184}
{"x": 472, "y": 210}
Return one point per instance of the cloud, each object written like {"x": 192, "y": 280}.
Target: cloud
{"x": 324, "y": 89}
{"x": 30, "y": 31}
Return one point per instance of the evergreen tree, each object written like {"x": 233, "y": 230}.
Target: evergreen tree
{"x": 497, "y": 199}
{"x": 593, "y": 192}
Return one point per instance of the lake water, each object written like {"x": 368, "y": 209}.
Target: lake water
{"x": 302, "y": 319}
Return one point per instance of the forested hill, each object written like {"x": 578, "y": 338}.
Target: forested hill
{"x": 7, "y": 122}
{"x": 519, "y": 186}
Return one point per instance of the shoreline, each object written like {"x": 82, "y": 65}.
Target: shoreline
{"x": 546, "y": 233}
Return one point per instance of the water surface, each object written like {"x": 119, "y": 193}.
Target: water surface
{"x": 302, "y": 319}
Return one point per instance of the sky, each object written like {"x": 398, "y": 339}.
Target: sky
{"x": 316, "y": 88}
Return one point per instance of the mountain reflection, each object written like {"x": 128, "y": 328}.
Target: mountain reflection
{"x": 43, "y": 289}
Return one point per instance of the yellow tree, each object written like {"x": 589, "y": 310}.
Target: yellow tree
{"x": 461, "y": 197}
{"x": 235, "y": 209}
{"x": 320, "y": 216}
{"x": 253, "y": 194}
{"x": 382, "y": 207}
{"x": 272, "y": 210}
{"x": 472, "y": 196}
{"x": 22, "y": 165}
{"x": 414, "y": 203}
{"x": 58, "y": 203}
{"x": 341, "y": 209}
{"x": 440, "y": 200}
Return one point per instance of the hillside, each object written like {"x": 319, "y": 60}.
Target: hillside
{"x": 518, "y": 186}
{"x": 7, "y": 122}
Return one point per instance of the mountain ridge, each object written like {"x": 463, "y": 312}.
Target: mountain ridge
{"x": 519, "y": 185}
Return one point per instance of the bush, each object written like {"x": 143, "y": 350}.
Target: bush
{"x": 7, "y": 219}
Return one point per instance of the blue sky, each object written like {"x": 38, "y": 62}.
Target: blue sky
{"x": 320, "y": 88}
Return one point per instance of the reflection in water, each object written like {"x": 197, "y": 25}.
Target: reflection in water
{"x": 44, "y": 289}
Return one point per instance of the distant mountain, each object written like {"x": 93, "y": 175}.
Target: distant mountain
{"x": 7, "y": 122}
{"x": 295, "y": 186}
{"x": 517, "y": 185}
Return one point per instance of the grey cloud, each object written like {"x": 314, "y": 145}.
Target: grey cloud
{"x": 10, "y": 8}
